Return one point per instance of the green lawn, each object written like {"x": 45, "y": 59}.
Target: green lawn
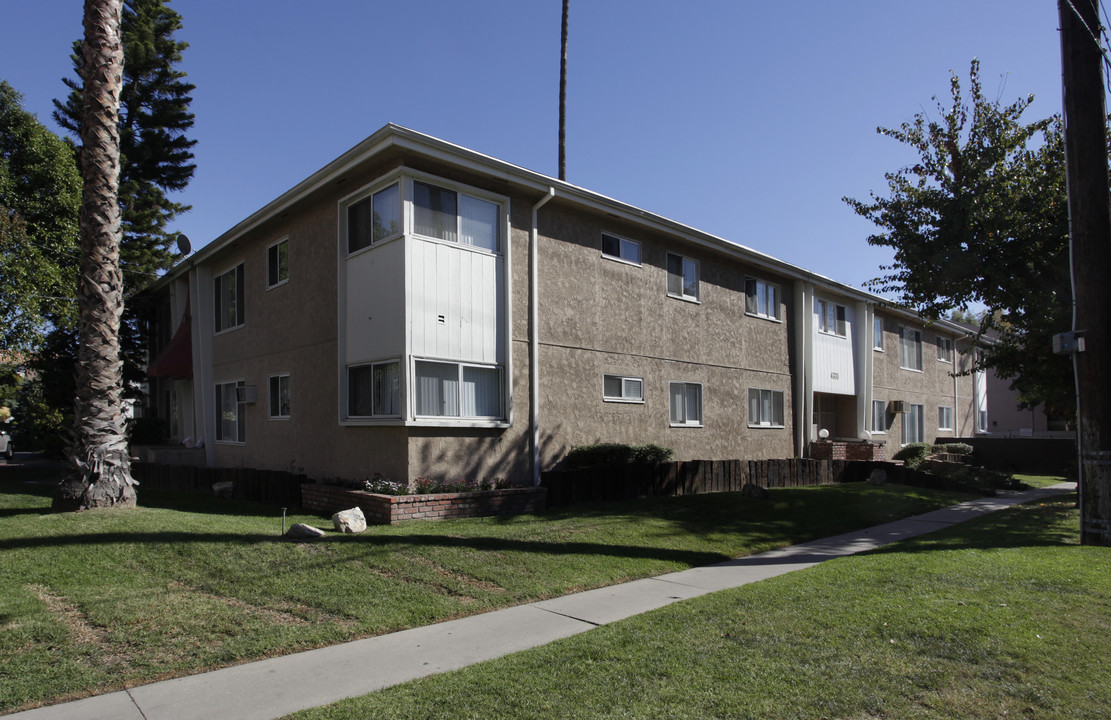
{"x": 92, "y": 601}
{"x": 1002, "y": 617}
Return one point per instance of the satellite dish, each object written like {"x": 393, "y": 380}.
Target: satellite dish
{"x": 183, "y": 245}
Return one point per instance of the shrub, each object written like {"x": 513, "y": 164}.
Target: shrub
{"x": 382, "y": 485}
{"x": 913, "y": 454}
{"x": 424, "y": 485}
{"x": 954, "y": 448}
{"x": 608, "y": 454}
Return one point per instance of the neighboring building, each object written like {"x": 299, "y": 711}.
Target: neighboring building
{"x": 416, "y": 308}
{"x": 1010, "y": 420}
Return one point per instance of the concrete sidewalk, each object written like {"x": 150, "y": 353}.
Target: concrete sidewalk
{"x": 272, "y": 688}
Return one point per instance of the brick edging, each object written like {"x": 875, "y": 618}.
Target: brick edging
{"x": 391, "y": 509}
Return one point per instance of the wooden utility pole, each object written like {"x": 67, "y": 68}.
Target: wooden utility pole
{"x": 563, "y": 95}
{"x": 1090, "y": 243}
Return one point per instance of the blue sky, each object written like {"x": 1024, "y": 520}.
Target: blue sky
{"x": 749, "y": 120}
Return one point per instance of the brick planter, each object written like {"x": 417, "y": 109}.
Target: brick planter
{"x": 840, "y": 450}
{"x": 391, "y": 509}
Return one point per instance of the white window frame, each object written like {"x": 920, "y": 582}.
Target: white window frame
{"x": 840, "y": 318}
{"x": 757, "y": 289}
{"x": 270, "y": 396}
{"x": 776, "y": 398}
{"x": 982, "y": 421}
{"x": 941, "y": 417}
{"x": 368, "y": 194}
{"x": 904, "y": 343}
{"x": 410, "y": 212}
{"x": 623, "y": 245}
{"x": 919, "y": 416}
{"x": 240, "y": 413}
{"x": 460, "y": 368}
{"x": 374, "y": 406}
{"x": 628, "y": 384}
{"x": 877, "y": 327}
{"x": 944, "y": 349}
{"x": 270, "y": 269}
{"x": 685, "y": 420}
{"x": 879, "y": 417}
{"x": 687, "y": 266}
{"x": 240, "y": 279}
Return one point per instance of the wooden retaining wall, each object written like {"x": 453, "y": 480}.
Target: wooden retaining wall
{"x": 272, "y": 487}
{"x": 568, "y": 487}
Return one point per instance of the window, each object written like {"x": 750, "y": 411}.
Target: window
{"x": 913, "y": 422}
{"x": 277, "y": 263}
{"x": 910, "y": 349}
{"x": 831, "y": 317}
{"x": 229, "y": 298}
{"x": 761, "y": 299}
{"x": 945, "y": 349}
{"x": 279, "y": 396}
{"x": 945, "y": 418}
{"x": 616, "y": 388}
{"x": 374, "y": 218}
{"x": 682, "y": 277}
{"x": 617, "y": 248}
{"x": 982, "y": 421}
{"x": 879, "y": 416}
{"x": 374, "y": 390}
{"x": 765, "y": 407}
{"x": 231, "y": 425}
{"x": 454, "y": 390}
{"x": 877, "y": 333}
{"x": 686, "y": 404}
{"x": 453, "y": 216}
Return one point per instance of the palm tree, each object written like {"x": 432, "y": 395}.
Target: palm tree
{"x": 100, "y": 469}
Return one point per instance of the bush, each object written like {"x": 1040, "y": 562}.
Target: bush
{"x": 609, "y": 454}
{"x": 954, "y": 448}
{"x": 913, "y": 454}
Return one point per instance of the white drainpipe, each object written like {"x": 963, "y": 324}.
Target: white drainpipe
{"x": 534, "y": 338}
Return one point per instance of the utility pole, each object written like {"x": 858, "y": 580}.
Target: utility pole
{"x": 563, "y": 95}
{"x": 1090, "y": 251}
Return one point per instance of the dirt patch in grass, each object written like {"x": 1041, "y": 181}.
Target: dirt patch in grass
{"x": 106, "y": 654}
{"x": 283, "y": 613}
{"x": 468, "y": 580}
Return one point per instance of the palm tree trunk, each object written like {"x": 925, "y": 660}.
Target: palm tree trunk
{"x": 100, "y": 469}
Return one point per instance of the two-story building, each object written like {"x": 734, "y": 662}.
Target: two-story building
{"x": 416, "y": 308}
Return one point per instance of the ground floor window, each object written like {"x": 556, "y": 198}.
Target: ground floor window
{"x": 457, "y": 390}
{"x": 765, "y": 407}
{"x": 374, "y": 390}
{"x": 686, "y": 403}
{"x": 231, "y": 423}
{"x": 945, "y": 418}
{"x": 913, "y": 424}
{"x": 879, "y": 416}
{"x": 279, "y": 396}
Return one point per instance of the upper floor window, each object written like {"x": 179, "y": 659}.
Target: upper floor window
{"x": 228, "y": 289}
{"x": 617, "y": 248}
{"x": 910, "y": 348}
{"x": 374, "y": 218}
{"x": 765, "y": 407}
{"x": 877, "y": 333}
{"x": 616, "y": 388}
{"x": 945, "y": 349}
{"x": 831, "y": 317}
{"x": 277, "y": 263}
{"x": 686, "y": 403}
{"x": 761, "y": 299}
{"x": 454, "y": 216}
{"x": 682, "y": 277}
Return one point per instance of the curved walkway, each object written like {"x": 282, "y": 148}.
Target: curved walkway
{"x": 268, "y": 689}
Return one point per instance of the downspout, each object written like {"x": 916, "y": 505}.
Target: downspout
{"x": 534, "y": 337}
{"x": 803, "y": 367}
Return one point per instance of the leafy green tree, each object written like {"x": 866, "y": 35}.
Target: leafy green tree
{"x": 156, "y": 154}
{"x": 982, "y": 218}
{"x": 40, "y": 193}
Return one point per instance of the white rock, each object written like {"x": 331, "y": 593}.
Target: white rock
{"x": 300, "y": 530}
{"x": 350, "y": 521}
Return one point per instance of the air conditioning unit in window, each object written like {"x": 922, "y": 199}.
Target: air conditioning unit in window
{"x": 246, "y": 394}
{"x": 897, "y": 406}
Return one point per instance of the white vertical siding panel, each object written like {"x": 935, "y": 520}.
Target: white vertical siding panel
{"x": 375, "y": 288}
{"x": 833, "y": 355}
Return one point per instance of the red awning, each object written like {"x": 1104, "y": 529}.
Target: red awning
{"x": 176, "y": 360}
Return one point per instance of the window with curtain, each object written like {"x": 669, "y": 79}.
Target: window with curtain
{"x": 761, "y": 299}
{"x": 944, "y": 418}
{"x": 686, "y": 403}
{"x": 910, "y": 349}
{"x": 231, "y": 422}
{"x": 831, "y": 318}
{"x": 765, "y": 407}
{"x": 455, "y": 390}
{"x": 913, "y": 426}
{"x": 879, "y": 416}
{"x": 617, "y": 388}
{"x": 454, "y": 216}
{"x": 374, "y": 390}
{"x": 877, "y": 333}
{"x": 682, "y": 277}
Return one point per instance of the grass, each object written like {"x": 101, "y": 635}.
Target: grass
{"x": 1006, "y": 616}
{"x": 1040, "y": 481}
{"x": 92, "y": 602}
